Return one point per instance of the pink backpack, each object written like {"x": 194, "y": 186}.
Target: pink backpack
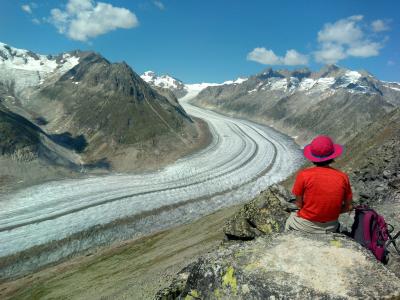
{"x": 371, "y": 231}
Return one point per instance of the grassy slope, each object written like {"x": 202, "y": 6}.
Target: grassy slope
{"x": 133, "y": 270}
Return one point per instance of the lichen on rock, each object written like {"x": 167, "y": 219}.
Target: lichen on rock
{"x": 290, "y": 266}
{"x": 265, "y": 214}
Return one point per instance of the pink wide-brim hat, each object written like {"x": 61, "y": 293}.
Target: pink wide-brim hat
{"x": 322, "y": 149}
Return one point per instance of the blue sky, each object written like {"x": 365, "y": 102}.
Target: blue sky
{"x": 213, "y": 41}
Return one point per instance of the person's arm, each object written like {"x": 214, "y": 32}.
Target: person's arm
{"x": 299, "y": 201}
{"x": 347, "y": 205}
{"x": 298, "y": 190}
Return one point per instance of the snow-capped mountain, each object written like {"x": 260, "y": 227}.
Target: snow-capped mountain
{"x": 88, "y": 109}
{"x": 179, "y": 88}
{"x": 22, "y": 68}
{"x": 301, "y": 102}
{"x": 166, "y": 82}
{"x": 234, "y": 82}
{"x": 329, "y": 79}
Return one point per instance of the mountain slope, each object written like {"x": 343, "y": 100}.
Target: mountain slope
{"x": 110, "y": 106}
{"x": 27, "y": 154}
{"x": 302, "y": 103}
{"x": 102, "y": 113}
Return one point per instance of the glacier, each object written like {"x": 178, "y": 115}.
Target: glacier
{"x": 242, "y": 160}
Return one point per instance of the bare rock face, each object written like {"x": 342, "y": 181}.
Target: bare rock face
{"x": 264, "y": 214}
{"x": 286, "y": 266}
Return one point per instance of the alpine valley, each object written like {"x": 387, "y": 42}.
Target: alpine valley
{"x": 182, "y": 231}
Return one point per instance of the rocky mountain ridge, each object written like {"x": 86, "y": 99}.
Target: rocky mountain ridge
{"x": 329, "y": 78}
{"x": 302, "y": 103}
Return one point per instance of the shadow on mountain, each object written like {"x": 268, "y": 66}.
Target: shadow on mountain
{"x": 41, "y": 121}
{"x": 66, "y": 140}
{"x": 16, "y": 132}
{"x": 100, "y": 164}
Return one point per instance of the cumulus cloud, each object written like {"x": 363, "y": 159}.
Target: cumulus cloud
{"x": 159, "y": 5}
{"x": 293, "y": 58}
{"x": 345, "y": 31}
{"x": 85, "y": 19}
{"x": 263, "y": 56}
{"x": 26, "y": 8}
{"x": 330, "y": 53}
{"x": 365, "y": 49}
{"x": 344, "y": 38}
{"x": 379, "y": 25}
{"x": 268, "y": 57}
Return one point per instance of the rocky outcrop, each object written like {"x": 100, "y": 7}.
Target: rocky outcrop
{"x": 286, "y": 266}
{"x": 277, "y": 264}
{"x": 265, "y": 214}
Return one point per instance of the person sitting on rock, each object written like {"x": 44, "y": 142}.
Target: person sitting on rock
{"x": 322, "y": 192}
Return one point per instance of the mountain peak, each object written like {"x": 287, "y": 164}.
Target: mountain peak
{"x": 165, "y": 81}
{"x": 150, "y": 73}
{"x": 26, "y": 69}
{"x": 330, "y": 70}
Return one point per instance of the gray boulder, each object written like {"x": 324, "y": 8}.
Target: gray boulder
{"x": 265, "y": 214}
{"x": 287, "y": 266}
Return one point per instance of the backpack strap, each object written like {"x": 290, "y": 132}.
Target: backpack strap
{"x": 369, "y": 223}
{"x": 392, "y": 240}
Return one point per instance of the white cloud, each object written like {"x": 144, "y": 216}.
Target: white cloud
{"x": 268, "y": 57}
{"x": 330, "y": 53}
{"x": 26, "y": 8}
{"x": 75, "y": 6}
{"x": 366, "y": 49}
{"x": 36, "y": 21}
{"x": 293, "y": 58}
{"x": 391, "y": 63}
{"x": 263, "y": 56}
{"x": 59, "y": 19}
{"x": 356, "y": 18}
{"x": 159, "y": 4}
{"x": 345, "y": 38}
{"x": 379, "y": 25}
{"x": 85, "y": 19}
{"x": 345, "y": 31}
